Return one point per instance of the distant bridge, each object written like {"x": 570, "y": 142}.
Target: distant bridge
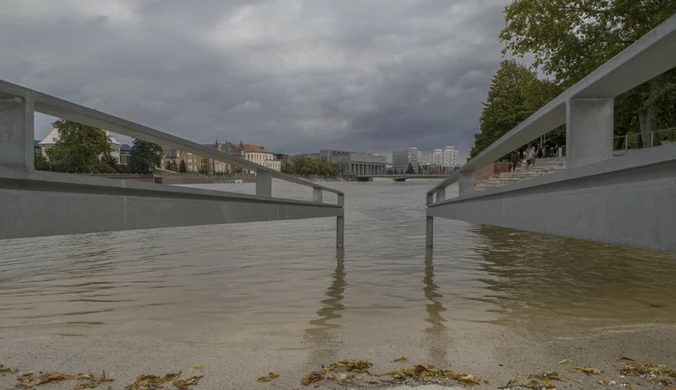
{"x": 627, "y": 200}
{"x": 402, "y": 177}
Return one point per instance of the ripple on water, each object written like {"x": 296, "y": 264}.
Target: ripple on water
{"x": 216, "y": 279}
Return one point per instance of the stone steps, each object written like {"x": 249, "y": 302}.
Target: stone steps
{"x": 542, "y": 167}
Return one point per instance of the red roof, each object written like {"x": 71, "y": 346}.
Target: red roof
{"x": 253, "y": 148}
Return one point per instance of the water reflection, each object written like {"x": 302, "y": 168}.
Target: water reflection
{"x": 322, "y": 333}
{"x": 534, "y": 276}
{"x": 435, "y": 333}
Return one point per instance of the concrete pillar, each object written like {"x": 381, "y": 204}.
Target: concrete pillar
{"x": 466, "y": 183}
{"x": 264, "y": 183}
{"x": 16, "y": 133}
{"x": 429, "y": 232}
{"x": 317, "y": 195}
{"x": 589, "y": 131}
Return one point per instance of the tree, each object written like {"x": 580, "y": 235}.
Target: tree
{"x": 183, "y": 167}
{"x": 308, "y": 166}
{"x": 78, "y": 147}
{"x": 420, "y": 170}
{"x": 41, "y": 163}
{"x": 514, "y": 95}
{"x": 168, "y": 166}
{"x": 571, "y": 38}
{"x": 409, "y": 170}
{"x": 110, "y": 161}
{"x": 144, "y": 156}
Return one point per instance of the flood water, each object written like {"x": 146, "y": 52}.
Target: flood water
{"x": 285, "y": 282}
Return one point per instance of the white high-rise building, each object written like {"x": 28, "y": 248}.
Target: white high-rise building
{"x": 437, "y": 157}
{"x": 449, "y": 157}
{"x": 402, "y": 157}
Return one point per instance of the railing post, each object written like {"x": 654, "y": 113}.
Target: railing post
{"x": 429, "y": 231}
{"x": 340, "y": 223}
{"x": 340, "y": 231}
{"x": 589, "y": 131}
{"x": 264, "y": 184}
{"x": 317, "y": 195}
{"x": 441, "y": 194}
{"x": 430, "y": 199}
{"x": 466, "y": 183}
{"x": 16, "y": 133}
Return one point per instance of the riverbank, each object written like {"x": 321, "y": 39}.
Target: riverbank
{"x": 235, "y": 361}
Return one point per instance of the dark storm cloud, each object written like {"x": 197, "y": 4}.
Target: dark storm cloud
{"x": 292, "y": 75}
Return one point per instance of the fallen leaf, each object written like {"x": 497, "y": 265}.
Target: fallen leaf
{"x": 587, "y": 370}
{"x": 564, "y": 361}
{"x": 469, "y": 379}
{"x": 400, "y": 359}
{"x": 268, "y": 378}
{"x": 92, "y": 383}
{"x": 550, "y": 375}
{"x": 312, "y": 378}
{"x": 27, "y": 377}
{"x": 185, "y": 383}
{"x": 362, "y": 366}
{"x": 51, "y": 377}
{"x": 4, "y": 369}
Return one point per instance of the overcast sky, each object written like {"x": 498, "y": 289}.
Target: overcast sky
{"x": 292, "y": 75}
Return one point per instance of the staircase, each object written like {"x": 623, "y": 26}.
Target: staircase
{"x": 543, "y": 166}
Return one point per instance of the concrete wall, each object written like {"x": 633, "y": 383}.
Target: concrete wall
{"x": 618, "y": 201}
{"x": 491, "y": 169}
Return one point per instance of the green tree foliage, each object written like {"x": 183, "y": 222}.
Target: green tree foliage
{"x": 41, "y": 163}
{"x": 168, "y": 165}
{"x": 409, "y": 170}
{"x": 571, "y": 38}
{"x": 144, "y": 156}
{"x": 78, "y": 148}
{"x": 183, "y": 167}
{"x": 515, "y": 94}
{"x": 110, "y": 161}
{"x": 309, "y": 166}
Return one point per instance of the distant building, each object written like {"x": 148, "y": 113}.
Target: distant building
{"x": 450, "y": 158}
{"x": 437, "y": 157}
{"x": 53, "y": 136}
{"x": 446, "y": 158}
{"x": 258, "y": 154}
{"x": 197, "y": 163}
{"x": 37, "y": 149}
{"x": 355, "y": 163}
{"x": 125, "y": 154}
{"x": 403, "y": 157}
{"x": 282, "y": 156}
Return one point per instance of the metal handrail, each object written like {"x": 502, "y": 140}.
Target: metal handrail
{"x": 645, "y": 59}
{"x": 60, "y": 108}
